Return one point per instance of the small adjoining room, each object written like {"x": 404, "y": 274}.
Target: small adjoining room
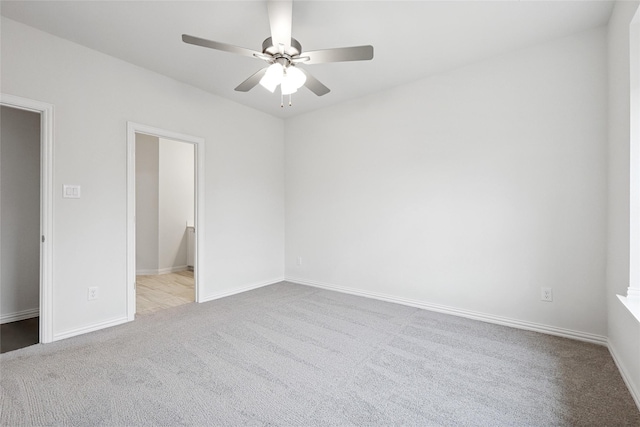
{"x": 165, "y": 232}
{"x": 310, "y": 213}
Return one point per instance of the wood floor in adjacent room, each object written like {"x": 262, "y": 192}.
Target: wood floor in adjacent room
{"x": 162, "y": 291}
{"x": 22, "y": 333}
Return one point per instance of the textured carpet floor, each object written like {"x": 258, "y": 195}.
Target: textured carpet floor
{"x": 293, "y": 355}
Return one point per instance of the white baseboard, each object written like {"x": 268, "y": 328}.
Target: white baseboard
{"x": 161, "y": 271}
{"x": 514, "y": 323}
{"x": 92, "y": 328}
{"x": 19, "y": 315}
{"x": 635, "y": 393}
{"x": 241, "y": 289}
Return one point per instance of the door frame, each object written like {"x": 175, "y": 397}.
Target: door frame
{"x": 46, "y": 206}
{"x": 198, "y": 145}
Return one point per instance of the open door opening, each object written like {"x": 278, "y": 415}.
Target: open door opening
{"x": 20, "y": 228}
{"x": 165, "y": 218}
{"x": 26, "y": 144}
{"x": 165, "y": 190}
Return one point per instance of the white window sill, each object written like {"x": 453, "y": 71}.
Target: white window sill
{"x": 633, "y": 305}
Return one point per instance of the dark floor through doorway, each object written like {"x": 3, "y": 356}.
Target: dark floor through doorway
{"x": 19, "y": 334}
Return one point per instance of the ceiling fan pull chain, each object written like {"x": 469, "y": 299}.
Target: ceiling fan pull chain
{"x": 289, "y": 100}
{"x": 281, "y": 100}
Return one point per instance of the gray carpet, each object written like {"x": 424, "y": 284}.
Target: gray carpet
{"x": 293, "y": 355}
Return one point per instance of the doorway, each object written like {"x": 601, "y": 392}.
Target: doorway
{"x": 165, "y": 206}
{"x": 164, "y": 232}
{"x": 25, "y": 216}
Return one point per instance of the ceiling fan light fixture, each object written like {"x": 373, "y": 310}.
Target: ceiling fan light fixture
{"x": 292, "y": 80}
{"x": 287, "y": 86}
{"x": 273, "y": 77}
{"x": 295, "y": 76}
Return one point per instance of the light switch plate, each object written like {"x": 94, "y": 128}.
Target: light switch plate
{"x": 71, "y": 191}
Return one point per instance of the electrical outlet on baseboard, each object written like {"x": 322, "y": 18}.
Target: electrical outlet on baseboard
{"x": 299, "y": 261}
{"x": 546, "y": 294}
{"x": 92, "y": 293}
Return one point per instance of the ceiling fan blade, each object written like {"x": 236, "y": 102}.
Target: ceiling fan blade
{"x": 264, "y": 57}
{"x": 314, "y": 84}
{"x": 280, "y": 16}
{"x": 340, "y": 54}
{"x": 252, "y": 81}
{"x": 299, "y": 59}
{"x": 219, "y": 46}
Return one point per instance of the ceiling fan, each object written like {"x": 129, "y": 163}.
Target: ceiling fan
{"x": 283, "y": 53}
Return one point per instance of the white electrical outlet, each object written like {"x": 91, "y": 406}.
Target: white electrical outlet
{"x": 71, "y": 191}
{"x": 299, "y": 261}
{"x": 546, "y": 294}
{"x": 92, "y": 293}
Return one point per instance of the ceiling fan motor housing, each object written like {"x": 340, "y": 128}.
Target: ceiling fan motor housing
{"x": 269, "y": 49}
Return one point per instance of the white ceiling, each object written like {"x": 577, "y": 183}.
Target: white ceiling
{"x": 411, "y": 39}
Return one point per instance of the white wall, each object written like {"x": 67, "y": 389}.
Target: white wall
{"x": 471, "y": 189}
{"x": 147, "y": 203}
{"x": 20, "y": 213}
{"x": 623, "y": 328}
{"x": 94, "y": 96}
{"x": 176, "y": 185}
